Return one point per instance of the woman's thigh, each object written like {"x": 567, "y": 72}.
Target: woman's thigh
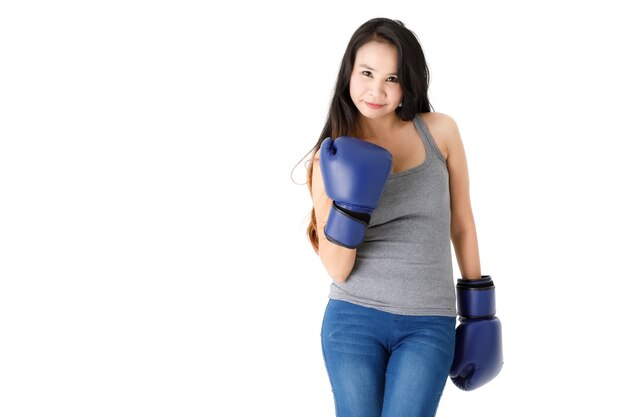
{"x": 355, "y": 357}
{"x": 419, "y": 365}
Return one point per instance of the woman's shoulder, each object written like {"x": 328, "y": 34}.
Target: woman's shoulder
{"x": 316, "y": 156}
{"x": 439, "y": 121}
{"x": 443, "y": 129}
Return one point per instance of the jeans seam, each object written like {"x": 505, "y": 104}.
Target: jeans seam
{"x": 330, "y": 379}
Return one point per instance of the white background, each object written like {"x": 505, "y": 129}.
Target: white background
{"x": 153, "y": 259}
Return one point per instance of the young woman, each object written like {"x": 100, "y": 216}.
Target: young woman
{"x": 390, "y": 189}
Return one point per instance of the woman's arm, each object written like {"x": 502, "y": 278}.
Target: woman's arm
{"x": 462, "y": 227}
{"x": 337, "y": 260}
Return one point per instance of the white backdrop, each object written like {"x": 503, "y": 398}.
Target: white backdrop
{"x": 153, "y": 259}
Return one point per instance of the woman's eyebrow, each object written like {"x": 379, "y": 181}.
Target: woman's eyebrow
{"x": 367, "y": 67}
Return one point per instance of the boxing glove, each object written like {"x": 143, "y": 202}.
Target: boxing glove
{"x": 478, "y": 347}
{"x": 354, "y": 173}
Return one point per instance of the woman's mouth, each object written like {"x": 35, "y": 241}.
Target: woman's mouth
{"x": 373, "y": 106}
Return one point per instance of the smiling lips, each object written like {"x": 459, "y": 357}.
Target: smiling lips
{"x": 373, "y": 106}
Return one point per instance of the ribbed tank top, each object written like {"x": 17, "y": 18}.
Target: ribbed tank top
{"x": 404, "y": 265}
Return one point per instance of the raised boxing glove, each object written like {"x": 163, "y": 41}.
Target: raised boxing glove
{"x": 478, "y": 349}
{"x": 354, "y": 173}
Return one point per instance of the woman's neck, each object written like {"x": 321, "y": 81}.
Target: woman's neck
{"x": 378, "y": 129}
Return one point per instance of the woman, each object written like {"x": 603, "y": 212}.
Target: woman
{"x": 390, "y": 189}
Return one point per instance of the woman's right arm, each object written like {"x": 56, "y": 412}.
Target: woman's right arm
{"x": 337, "y": 260}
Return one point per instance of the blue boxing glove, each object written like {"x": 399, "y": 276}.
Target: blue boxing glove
{"x": 478, "y": 348}
{"x": 354, "y": 173}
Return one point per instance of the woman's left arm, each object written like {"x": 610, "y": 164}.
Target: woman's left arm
{"x": 462, "y": 227}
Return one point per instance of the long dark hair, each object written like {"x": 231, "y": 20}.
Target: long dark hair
{"x": 413, "y": 77}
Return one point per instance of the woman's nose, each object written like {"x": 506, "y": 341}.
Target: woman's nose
{"x": 376, "y": 90}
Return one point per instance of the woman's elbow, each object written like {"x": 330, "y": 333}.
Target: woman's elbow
{"x": 461, "y": 227}
{"x": 337, "y": 260}
{"x": 338, "y": 274}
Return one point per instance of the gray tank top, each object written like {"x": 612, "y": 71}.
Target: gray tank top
{"x": 404, "y": 265}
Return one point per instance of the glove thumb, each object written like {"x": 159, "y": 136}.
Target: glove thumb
{"x": 328, "y": 147}
{"x": 463, "y": 379}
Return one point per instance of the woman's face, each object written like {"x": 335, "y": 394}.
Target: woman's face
{"x": 374, "y": 86}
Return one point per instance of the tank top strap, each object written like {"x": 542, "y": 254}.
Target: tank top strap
{"x": 427, "y": 137}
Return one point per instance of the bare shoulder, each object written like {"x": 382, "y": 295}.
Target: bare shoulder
{"x": 444, "y": 130}
{"x": 439, "y": 120}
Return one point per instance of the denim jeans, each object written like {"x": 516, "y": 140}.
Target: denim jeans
{"x": 386, "y": 365}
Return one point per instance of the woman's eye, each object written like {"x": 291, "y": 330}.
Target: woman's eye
{"x": 366, "y": 73}
{"x": 392, "y": 79}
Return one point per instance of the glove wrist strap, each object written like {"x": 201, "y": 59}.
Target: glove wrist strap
{"x": 476, "y": 298}
{"x": 344, "y": 229}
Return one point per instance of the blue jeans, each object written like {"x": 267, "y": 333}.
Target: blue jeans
{"x": 386, "y": 365}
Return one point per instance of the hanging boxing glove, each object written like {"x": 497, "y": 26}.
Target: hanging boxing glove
{"x": 478, "y": 350}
